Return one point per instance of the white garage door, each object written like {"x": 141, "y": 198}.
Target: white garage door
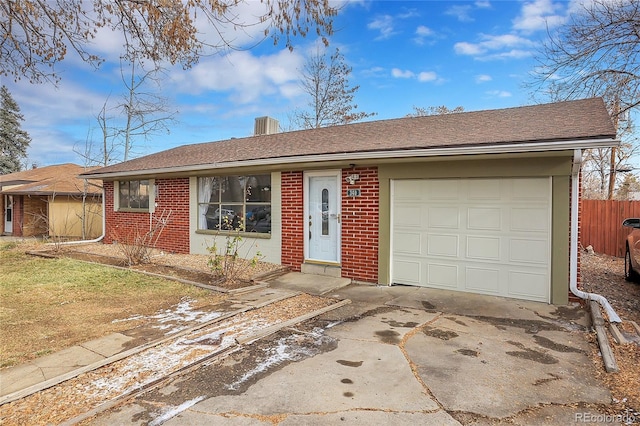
{"x": 488, "y": 236}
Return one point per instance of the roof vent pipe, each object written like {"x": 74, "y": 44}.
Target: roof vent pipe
{"x": 265, "y": 126}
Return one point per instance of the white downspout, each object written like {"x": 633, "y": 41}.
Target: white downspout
{"x": 104, "y": 227}
{"x": 573, "y": 262}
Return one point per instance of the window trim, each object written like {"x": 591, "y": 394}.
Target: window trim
{"x": 152, "y": 197}
{"x": 244, "y": 203}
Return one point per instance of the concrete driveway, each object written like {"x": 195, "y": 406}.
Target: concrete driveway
{"x": 395, "y": 355}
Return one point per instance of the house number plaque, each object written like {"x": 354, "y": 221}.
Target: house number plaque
{"x": 353, "y": 192}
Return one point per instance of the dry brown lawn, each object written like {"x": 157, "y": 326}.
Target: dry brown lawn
{"x": 50, "y": 304}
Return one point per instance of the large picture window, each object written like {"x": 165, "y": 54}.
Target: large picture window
{"x": 235, "y": 203}
{"x": 133, "y": 194}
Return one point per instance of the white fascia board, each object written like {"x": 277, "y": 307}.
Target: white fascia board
{"x": 373, "y": 155}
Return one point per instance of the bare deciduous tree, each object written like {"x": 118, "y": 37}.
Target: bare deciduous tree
{"x": 146, "y": 112}
{"x": 326, "y": 81}
{"x": 35, "y": 35}
{"x": 434, "y": 110}
{"x": 597, "y": 53}
{"x": 142, "y": 113}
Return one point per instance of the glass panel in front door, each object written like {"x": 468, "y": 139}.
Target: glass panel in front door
{"x": 325, "y": 211}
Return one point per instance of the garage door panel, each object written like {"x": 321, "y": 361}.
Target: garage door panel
{"x": 442, "y": 245}
{"x": 484, "y": 189}
{"x": 528, "y": 285}
{"x": 407, "y": 216}
{"x": 530, "y": 219}
{"x": 443, "y": 190}
{"x": 442, "y": 275}
{"x": 529, "y": 251}
{"x": 407, "y": 271}
{"x": 482, "y": 280}
{"x": 483, "y": 248}
{"x": 408, "y": 242}
{"x": 410, "y": 190}
{"x": 443, "y": 217}
{"x": 484, "y": 218}
{"x": 488, "y": 236}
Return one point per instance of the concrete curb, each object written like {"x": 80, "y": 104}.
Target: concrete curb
{"x": 603, "y": 341}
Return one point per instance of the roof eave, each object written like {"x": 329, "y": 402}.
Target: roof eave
{"x": 507, "y": 148}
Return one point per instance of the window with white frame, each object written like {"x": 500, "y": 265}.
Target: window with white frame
{"x": 235, "y": 203}
{"x": 133, "y": 194}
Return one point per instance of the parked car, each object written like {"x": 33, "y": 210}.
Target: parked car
{"x": 632, "y": 250}
{"x": 222, "y": 219}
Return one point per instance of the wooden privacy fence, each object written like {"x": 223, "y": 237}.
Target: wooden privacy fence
{"x": 601, "y": 225}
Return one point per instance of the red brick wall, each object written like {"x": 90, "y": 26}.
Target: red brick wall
{"x": 172, "y": 198}
{"x": 359, "y": 254}
{"x": 292, "y": 220}
{"x": 360, "y": 217}
{"x": 573, "y": 297}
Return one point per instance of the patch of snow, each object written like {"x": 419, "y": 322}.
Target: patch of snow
{"x": 286, "y": 349}
{"x": 176, "y": 318}
{"x": 174, "y": 411}
{"x": 154, "y": 363}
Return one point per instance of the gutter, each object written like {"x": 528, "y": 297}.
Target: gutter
{"x": 95, "y": 240}
{"x": 573, "y": 260}
{"x": 369, "y": 155}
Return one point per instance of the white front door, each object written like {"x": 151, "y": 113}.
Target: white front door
{"x": 8, "y": 214}
{"x": 322, "y": 213}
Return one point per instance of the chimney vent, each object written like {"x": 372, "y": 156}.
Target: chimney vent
{"x": 265, "y": 126}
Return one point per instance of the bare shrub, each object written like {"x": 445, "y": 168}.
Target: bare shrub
{"x": 227, "y": 261}
{"x": 136, "y": 244}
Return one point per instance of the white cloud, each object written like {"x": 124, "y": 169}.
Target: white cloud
{"x": 465, "y": 48}
{"x": 538, "y": 15}
{"x": 384, "y": 25}
{"x": 375, "y": 72}
{"x": 427, "y": 76}
{"x": 398, "y": 73}
{"x": 462, "y": 13}
{"x": 422, "y": 77}
{"x": 482, "y": 4}
{"x": 422, "y": 32}
{"x": 246, "y": 78}
{"x": 483, "y": 78}
{"x": 496, "y": 47}
{"x": 499, "y": 93}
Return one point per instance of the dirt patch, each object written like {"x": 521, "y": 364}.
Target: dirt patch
{"x": 604, "y": 275}
{"x": 191, "y": 268}
{"x": 439, "y": 334}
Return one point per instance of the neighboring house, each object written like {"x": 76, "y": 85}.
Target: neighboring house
{"x": 477, "y": 201}
{"x": 51, "y": 201}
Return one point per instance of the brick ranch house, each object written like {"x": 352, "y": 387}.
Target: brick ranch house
{"x": 475, "y": 202}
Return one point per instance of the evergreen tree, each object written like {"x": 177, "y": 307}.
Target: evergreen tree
{"x": 13, "y": 140}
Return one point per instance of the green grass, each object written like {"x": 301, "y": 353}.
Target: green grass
{"x": 49, "y": 304}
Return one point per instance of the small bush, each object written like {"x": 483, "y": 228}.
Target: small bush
{"x": 226, "y": 261}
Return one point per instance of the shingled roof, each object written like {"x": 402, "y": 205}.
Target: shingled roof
{"x": 581, "y": 120}
{"x": 60, "y": 179}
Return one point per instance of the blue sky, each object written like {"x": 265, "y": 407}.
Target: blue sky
{"x": 474, "y": 54}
